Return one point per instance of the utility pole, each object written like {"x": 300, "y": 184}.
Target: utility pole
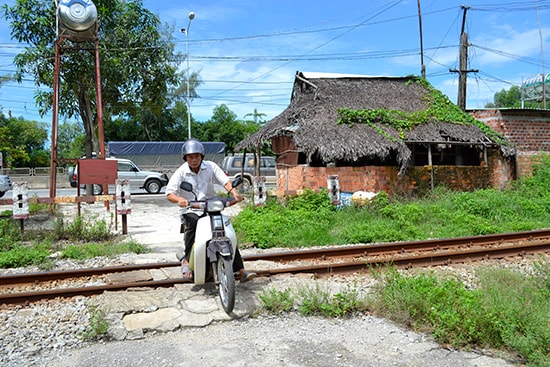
{"x": 463, "y": 63}
{"x": 422, "y": 66}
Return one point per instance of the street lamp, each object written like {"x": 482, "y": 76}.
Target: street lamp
{"x": 191, "y": 17}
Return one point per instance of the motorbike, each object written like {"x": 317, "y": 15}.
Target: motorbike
{"x": 215, "y": 245}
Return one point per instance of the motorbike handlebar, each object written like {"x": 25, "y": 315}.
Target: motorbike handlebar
{"x": 201, "y": 204}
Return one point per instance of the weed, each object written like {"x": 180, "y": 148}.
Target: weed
{"x": 85, "y": 229}
{"x": 10, "y": 234}
{"x": 509, "y": 310}
{"x": 91, "y": 238}
{"x": 110, "y": 248}
{"x": 19, "y": 256}
{"x": 277, "y": 301}
{"x": 98, "y": 324}
{"x": 314, "y": 300}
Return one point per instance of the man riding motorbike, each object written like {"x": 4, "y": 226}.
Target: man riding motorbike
{"x": 202, "y": 174}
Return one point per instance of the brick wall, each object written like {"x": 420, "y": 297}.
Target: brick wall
{"x": 528, "y": 130}
{"x": 292, "y": 180}
{"x": 496, "y": 174}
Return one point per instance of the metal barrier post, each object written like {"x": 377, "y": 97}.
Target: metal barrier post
{"x": 123, "y": 202}
{"x": 259, "y": 191}
{"x": 21, "y": 203}
{"x": 333, "y": 189}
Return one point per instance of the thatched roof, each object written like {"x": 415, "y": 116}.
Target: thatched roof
{"x": 312, "y": 119}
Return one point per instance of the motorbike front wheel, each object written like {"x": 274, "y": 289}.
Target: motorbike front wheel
{"x": 226, "y": 284}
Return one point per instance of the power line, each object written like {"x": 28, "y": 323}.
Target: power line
{"x": 527, "y": 60}
{"x": 513, "y": 6}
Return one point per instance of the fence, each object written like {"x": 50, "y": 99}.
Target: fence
{"x": 32, "y": 171}
{"x": 38, "y": 177}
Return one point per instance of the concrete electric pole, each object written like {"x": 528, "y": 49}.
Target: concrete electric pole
{"x": 463, "y": 64}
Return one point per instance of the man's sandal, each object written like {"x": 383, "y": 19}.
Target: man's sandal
{"x": 186, "y": 272}
{"x": 248, "y": 275}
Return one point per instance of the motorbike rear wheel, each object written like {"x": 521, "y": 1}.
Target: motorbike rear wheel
{"x": 226, "y": 286}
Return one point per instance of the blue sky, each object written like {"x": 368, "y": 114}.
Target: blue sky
{"x": 248, "y": 51}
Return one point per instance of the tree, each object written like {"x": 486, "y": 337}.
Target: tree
{"x": 224, "y": 126}
{"x": 510, "y": 98}
{"x": 257, "y": 116}
{"x": 138, "y": 62}
{"x": 70, "y": 140}
{"x": 10, "y": 153}
{"x": 22, "y": 142}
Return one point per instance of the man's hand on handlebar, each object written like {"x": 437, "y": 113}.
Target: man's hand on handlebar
{"x": 183, "y": 203}
{"x": 238, "y": 197}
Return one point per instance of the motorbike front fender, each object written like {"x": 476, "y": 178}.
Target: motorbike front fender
{"x": 220, "y": 246}
{"x": 203, "y": 234}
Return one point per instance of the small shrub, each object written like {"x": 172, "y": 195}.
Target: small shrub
{"x": 85, "y": 229}
{"x": 277, "y": 301}
{"x": 108, "y": 249}
{"x": 98, "y": 324}
{"x": 20, "y": 256}
{"x": 319, "y": 301}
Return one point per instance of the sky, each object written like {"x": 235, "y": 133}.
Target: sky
{"x": 247, "y": 52}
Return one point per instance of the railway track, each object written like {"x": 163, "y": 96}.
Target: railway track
{"x": 29, "y": 287}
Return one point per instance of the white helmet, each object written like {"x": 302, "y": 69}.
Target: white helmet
{"x": 192, "y": 146}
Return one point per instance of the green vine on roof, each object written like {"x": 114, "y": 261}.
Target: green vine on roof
{"x": 440, "y": 109}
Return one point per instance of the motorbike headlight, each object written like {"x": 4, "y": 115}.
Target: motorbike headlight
{"x": 215, "y": 206}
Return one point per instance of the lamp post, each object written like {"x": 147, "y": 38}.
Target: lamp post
{"x": 191, "y": 17}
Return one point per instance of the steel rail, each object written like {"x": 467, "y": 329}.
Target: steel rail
{"x": 33, "y": 277}
{"x": 324, "y": 253}
{"x": 407, "y": 260}
{"x": 323, "y": 269}
{"x": 23, "y": 297}
{"x": 433, "y": 259}
{"x": 400, "y": 247}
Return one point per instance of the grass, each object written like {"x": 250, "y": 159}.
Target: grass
{"x": 309, "y": 219}
{"x": 98, "y": 324}
{"x": 507, "y": 310}
{"x": 314, "y": 300}
{"x": 79, "y": 239}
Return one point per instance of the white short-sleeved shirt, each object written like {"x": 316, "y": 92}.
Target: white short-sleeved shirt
{"x": 203, "y": 182}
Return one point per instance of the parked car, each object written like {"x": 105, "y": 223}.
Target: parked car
{"x": 5, "y": 184}
{"x": 150, "y": 181}
{"x": 232, "y": 166}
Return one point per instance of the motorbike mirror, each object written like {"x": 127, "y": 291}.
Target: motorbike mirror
{"x": 237, "y": 181}
{"x": 186, "y": 186}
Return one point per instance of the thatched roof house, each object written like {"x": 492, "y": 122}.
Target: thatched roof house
{"x": 340, "y": 119}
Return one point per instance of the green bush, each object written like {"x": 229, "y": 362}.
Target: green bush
{"x": 108, "y": 249}
{"x": 277, "y": 301}
{"x": 91, "y": 238}
{"x": 20, "y": 256}
{"x": 509, "y": 310}
{"x": 314, "y": 300}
